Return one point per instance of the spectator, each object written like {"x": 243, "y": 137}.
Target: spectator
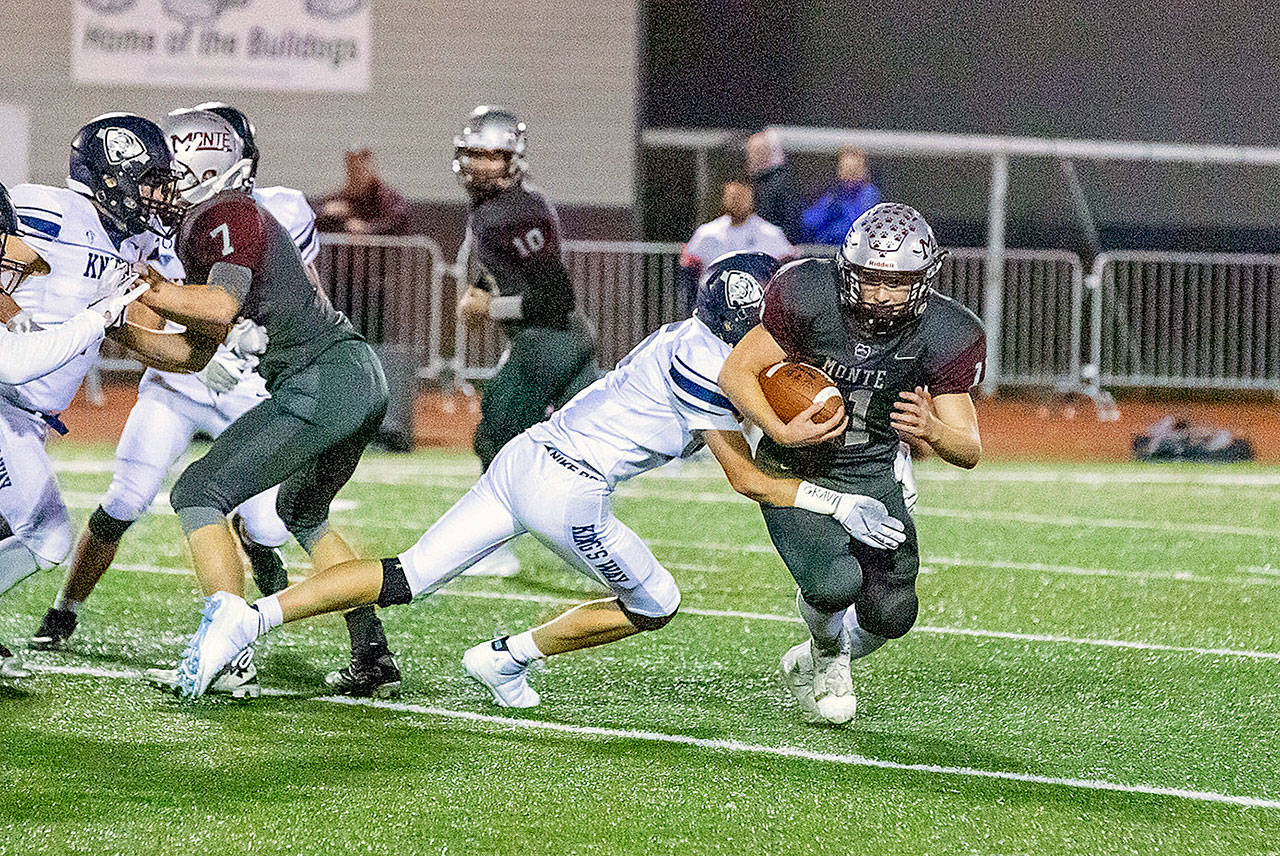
{"x": 738, "y": 229}
{"x": 828, "y": 220}
{"x": 775, "y": 192}
{"x": 366, "y": 205}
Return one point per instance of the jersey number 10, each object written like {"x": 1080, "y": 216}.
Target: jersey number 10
{"x": 529, "y": 243}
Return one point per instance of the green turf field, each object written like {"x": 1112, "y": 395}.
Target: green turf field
{"x": 1096, "y": 670}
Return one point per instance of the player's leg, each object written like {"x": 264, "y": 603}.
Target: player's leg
{"x": 886, "y": 605}
{"x": 569, "y": 510}
{"x": 31, "y": 505}
{"x": 157, "y": 431}
{"x": 815, "y": 549}
{"x": 476, "y": 525}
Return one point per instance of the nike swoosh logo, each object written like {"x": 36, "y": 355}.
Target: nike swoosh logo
{"x": 905, "y": 356}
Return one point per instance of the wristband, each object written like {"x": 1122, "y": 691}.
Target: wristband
{"x": 818, "y": 499}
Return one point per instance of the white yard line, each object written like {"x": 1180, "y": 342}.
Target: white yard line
{"x": 83, "y": 500}
{"x": 1046, "y": 638}
{"x": 731, "y": 747}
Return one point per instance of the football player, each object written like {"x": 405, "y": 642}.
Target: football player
{"x": 328, "y": 398}
{"x": 905, "y": 359}
{"x": 556, "y": 481}
{"x": 513, "y": 233}
{"x": 214, "y": 149}
{"x": 78, "y": 243}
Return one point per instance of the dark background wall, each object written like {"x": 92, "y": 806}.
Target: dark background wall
{"x": 1177, "y": 71}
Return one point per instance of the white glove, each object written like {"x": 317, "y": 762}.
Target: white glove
{"x": 22, "y": 323}
{"x": 124, "y": 290}
{"x": 905, "y": 474}
{"x": 247, "y": 338}
{"x": 225, "y": 371}
{"x": 863, "y": 517}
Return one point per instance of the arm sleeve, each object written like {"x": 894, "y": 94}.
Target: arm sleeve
{"x": 27, "y": 356}
{"x": 961, "y": 365}
{"x": 230, "y": 234}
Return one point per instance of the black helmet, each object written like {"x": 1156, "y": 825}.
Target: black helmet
{"x": 116, "y": 156}
{"x": 732, "y": 293}
{"x": 489, "y": 130}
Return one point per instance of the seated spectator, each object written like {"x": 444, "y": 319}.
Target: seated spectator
{"x": 738, "y": 229}
{"x": 366, "y": 205}
{"x": 827, "y": 221}
{"x": 775, "y": 192}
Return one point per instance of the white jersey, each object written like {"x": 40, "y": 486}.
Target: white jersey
{"x": 27, "y": 356}
{"x": 712, "y": 240}
{"x": 649, "y": 409}
{"x": 290, "y": 208}
{"x": 64, "y": 228}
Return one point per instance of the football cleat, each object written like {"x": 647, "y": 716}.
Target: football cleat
{"x": 269, "y": 572}
{"x": 491, "y": 664}
{"x": 833, "y": 687}
{"x": 55, "y": 629}
{"x": 372, "y": 674}
{"x": 228, "y": 625}
{"x": 797, "y": 678}
{"x": 238, "y": 680}
{"x": 11, "y": 664}
{"x": 502, "y": 562}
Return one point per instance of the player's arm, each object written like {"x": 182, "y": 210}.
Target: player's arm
{"x": 27, "y": 356}
{"x": 740, "y": 381}
{"x": 947, "y": 423}
{"x": 863, "y": 517}
{"x": 143, "y": 334}
{"x": 8, "y": 308}
{"x": 207, "y": 308}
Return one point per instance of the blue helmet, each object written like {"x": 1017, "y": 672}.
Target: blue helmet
{"x": 8, "y": 226}
{"x": 122, "y": 163}
{"x": 732, "y": 293}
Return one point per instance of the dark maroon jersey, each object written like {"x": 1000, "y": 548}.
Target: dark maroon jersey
{"x": 301, "y": 324}
{"x": 946, "y": 352}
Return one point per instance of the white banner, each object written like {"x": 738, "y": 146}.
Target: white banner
{"x": 318, "y": 45}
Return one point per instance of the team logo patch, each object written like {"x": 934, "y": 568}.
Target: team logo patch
{"x": 741, "y": 289}
{"x": 861, "y": 351}
{"x": 122, "y": 145}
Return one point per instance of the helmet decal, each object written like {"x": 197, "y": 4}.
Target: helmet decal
{"x": 122, "y": 146}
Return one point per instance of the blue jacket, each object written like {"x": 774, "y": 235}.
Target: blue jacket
{"x": 828, "y": 219}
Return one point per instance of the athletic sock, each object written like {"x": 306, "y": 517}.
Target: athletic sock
{"x": 270, "y": 614}
{"x": 366, "y": 631}
{"x": 827, "y": 627}
{"x": 523, "y": 649}
{"x": 860, "y": 642}
{"x": 16, "y": 563}
{"x": 66, "y": 604}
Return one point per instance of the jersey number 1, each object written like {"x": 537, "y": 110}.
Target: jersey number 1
{"x": 859, "y": 402}
{"x": 224, "y": 232}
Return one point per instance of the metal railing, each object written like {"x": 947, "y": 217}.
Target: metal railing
{"x": 1186, "y": 320}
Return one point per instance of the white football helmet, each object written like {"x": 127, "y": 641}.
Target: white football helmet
{"x": 208, "y": 153}
{"x": 890, "y": 245}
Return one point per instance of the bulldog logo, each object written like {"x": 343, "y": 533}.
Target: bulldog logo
{"x": 740, "y": 290}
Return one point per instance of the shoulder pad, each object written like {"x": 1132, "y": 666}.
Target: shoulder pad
{"x": 41, "y": 209}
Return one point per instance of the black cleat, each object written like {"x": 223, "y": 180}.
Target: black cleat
{"x": 372, "y": 674}
{"x": 55, "y": 629}
{"x": 269, "y": 572}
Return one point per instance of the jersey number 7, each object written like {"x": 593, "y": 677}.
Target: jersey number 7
{"x": 224, "y": 232}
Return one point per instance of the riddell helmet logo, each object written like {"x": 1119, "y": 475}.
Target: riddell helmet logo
{"x": 741, "y": 290}
{"x": 122, "y": 146}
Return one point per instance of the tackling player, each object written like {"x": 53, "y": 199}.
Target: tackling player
{"x": 556, "y": 481}
{"x": 905, "y": 359}
{"x": 213, "y": 146}
{"x": 328, "y": 398}
{"x": 514, "y": 235}
{"x": 78, "y": 245}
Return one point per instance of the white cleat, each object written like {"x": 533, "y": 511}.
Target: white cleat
{"x": 238, "y": 680}
{"x": 491, "y": 664}
{"x": 797, "y": 678}
{"x": 11, "y": 667}
{"x": 833, "y": 687}
{"x": 228, "y": 625}
{"x": 502, "y": 562}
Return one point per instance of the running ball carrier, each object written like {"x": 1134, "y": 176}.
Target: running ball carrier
{"x": 904, "y": 359}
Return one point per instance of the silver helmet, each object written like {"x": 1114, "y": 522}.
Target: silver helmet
{"x": 208, "y": 153}
{"x": 890, "y": 245}
{"x": 489, "y": 130}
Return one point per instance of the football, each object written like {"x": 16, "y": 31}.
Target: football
{"x": 790, "y": 387}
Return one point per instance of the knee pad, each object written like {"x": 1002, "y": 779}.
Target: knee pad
{"x": 395, "y": 584}
{"x": 831, "y": 592}
{"x": 645, "y": 623}
{"x": 51, "y": 546}
{"x": 106, "y": 527}
{"x": 888, "y": 614}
